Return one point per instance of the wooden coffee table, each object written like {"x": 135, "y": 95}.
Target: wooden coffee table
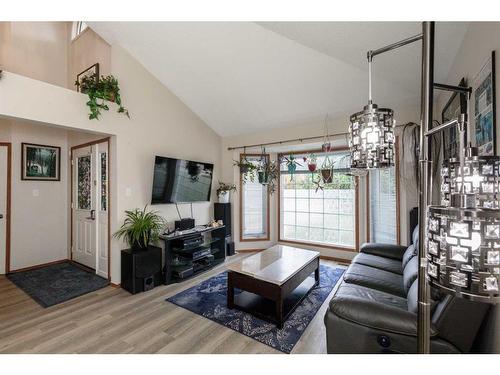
{"x": 273, "y": 282}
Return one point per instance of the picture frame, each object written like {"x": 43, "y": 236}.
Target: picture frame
{"x": 40, "y": 162}
{"x": 484, "y": 117}
{"x": 92, "y": 70}
{"x": 456, "y": 105}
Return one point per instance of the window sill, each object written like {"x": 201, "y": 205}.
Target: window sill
{"x": 322, "y": 245}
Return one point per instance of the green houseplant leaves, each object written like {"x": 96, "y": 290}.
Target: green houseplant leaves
{"x": 140, "y": 228}
{"x": 100, "y": 90}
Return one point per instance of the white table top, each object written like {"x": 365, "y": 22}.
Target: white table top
{"x": 276, "y": 264}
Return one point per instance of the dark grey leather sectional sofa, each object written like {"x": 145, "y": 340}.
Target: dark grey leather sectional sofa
{"x": 374, "y": 309}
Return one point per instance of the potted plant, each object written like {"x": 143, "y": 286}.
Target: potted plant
{"x": 312, "y": 163}
{"x": 268, "y": 175}
{"x": 140, "y": 228}
{"x": 327, "y": 170}
{"x": 247, "y": 169}
{"x": 291, "y": 165}
{"x": 100, "y": 90}
{"x": 224, "y": 190}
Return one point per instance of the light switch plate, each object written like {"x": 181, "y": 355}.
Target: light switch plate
{"x": 128, "y": 192}
{"x": 36, "y": 192}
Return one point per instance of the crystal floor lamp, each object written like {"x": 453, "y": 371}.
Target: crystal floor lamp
{"x": 460, "y": 253}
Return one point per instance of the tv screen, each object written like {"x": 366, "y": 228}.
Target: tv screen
{"x": 180, "y": 181}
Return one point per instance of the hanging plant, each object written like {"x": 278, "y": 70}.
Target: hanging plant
{"x": 247, "y": 169}
{"x": 317, "y": 183}
{"x": 312, "y": 163}
{"x": 99, "y": 91}
{"x": 327, "y": 170}
{"x": 291, "y": 165}
{"x": 268, "y": 175}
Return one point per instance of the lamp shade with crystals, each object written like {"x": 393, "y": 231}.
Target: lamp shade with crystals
{"x": 371, "y": 138}
{"x": 463, "y": 234}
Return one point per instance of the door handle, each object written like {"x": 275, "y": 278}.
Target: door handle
{"x": 92, "y": 215}
{"x": 1, "y": 216}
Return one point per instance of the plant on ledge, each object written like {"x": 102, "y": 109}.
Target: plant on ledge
{"x": 140, "y": 228}
{"x": 224, "y": 190}
{"x": 99, "y": 90}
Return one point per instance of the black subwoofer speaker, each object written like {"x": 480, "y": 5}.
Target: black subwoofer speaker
{"x": 141, "y": 270}
{"x": 222, "y": 211}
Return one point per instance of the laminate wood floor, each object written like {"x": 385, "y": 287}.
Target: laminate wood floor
{"x": 111, "y": 320}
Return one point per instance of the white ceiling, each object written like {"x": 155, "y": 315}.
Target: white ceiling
{"x": 241, "y": 77}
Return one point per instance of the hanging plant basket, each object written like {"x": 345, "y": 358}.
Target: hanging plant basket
{"x": 327, "y": 175}
{"x": 263, "y": 177}
{"x": 312, "y": 163}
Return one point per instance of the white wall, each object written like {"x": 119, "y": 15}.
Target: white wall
{"x": 480, "y": 39}
{"x": 160, "y": 124}
{"x": 36, "y": 49}
{"x": 307, "y": 129}
{"x": 39, "y": 208}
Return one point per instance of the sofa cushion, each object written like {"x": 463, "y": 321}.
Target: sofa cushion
{"x": 375, "y": 278}
{"x": 410, "y": 273}
{"x": 384, "y": 250}
{"x": 412, "y": 298}
{"x": 409, "y": 253}
{"x": 375, "y": 309}
{"x": 379, "y": 262}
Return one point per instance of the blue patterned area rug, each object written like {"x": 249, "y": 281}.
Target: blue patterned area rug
{"x": 208, "y": 299}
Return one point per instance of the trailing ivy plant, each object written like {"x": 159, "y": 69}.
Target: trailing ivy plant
{"x": 100, "y": 90}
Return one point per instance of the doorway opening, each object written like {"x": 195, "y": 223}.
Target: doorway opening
{"x": 90, "y": 206}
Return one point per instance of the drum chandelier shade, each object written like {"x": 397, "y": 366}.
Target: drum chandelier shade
{"x": 463, "y": 235}
{"x": 371, "y": 138}
{"x": 371, "y": 133}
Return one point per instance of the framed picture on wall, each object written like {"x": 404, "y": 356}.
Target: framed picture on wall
{"x": 484, "y": 108}
{"x": 456, "y": 105}
{"x": 91, "y": 72}
{"x": 40, "y": 162}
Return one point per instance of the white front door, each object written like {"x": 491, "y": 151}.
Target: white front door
{"x": 84, "y": 207}
{"x": 102, "y": 208}
{"x": 90, "y": 206}
{"x": 4, "y": 180}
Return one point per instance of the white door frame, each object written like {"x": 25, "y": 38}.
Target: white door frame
{"x": 103, "y": 140}
{"x": 8, "y": 207}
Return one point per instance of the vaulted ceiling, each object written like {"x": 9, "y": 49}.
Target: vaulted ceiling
{"x": 242, "y": 77}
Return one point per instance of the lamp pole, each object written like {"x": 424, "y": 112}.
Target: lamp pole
{"x": 425, "y": 186}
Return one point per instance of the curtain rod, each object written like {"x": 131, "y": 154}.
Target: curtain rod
{"x": 293, "y": 140}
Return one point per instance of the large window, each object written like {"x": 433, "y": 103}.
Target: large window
{"x": 313, "y": 215}
{"x": 383, "y": 201}
{"x": 254, "y": 220}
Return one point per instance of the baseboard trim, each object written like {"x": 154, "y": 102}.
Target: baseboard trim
{"x": 39, "y": 266}
{"x": 335, "y": 259}
{"x": 115, "y": 285}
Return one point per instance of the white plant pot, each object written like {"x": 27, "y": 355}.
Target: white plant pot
{"x": 224, "y": 197}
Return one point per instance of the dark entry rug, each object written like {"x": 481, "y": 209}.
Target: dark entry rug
{"x": 57, "y": 283}
{"x": 208, "y": 299}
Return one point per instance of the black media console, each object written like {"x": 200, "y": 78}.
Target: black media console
{"x": 192, "y": 252}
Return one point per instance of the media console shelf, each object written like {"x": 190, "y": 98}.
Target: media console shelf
{"x": 189, "y": 254}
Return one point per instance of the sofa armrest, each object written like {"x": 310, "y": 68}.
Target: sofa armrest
{"x": 384, "y": 250}
{"x": 376, "y": 315}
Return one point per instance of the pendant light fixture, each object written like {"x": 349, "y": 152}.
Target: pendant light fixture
{"x": 371, "y": 133}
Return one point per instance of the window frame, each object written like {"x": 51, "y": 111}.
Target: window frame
{"x": 398, "y": 198}
{"x": 268, "y": 206}
{"x": 356, "y": 207}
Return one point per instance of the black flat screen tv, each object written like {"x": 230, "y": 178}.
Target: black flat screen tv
{"x": 181, "y": 181}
